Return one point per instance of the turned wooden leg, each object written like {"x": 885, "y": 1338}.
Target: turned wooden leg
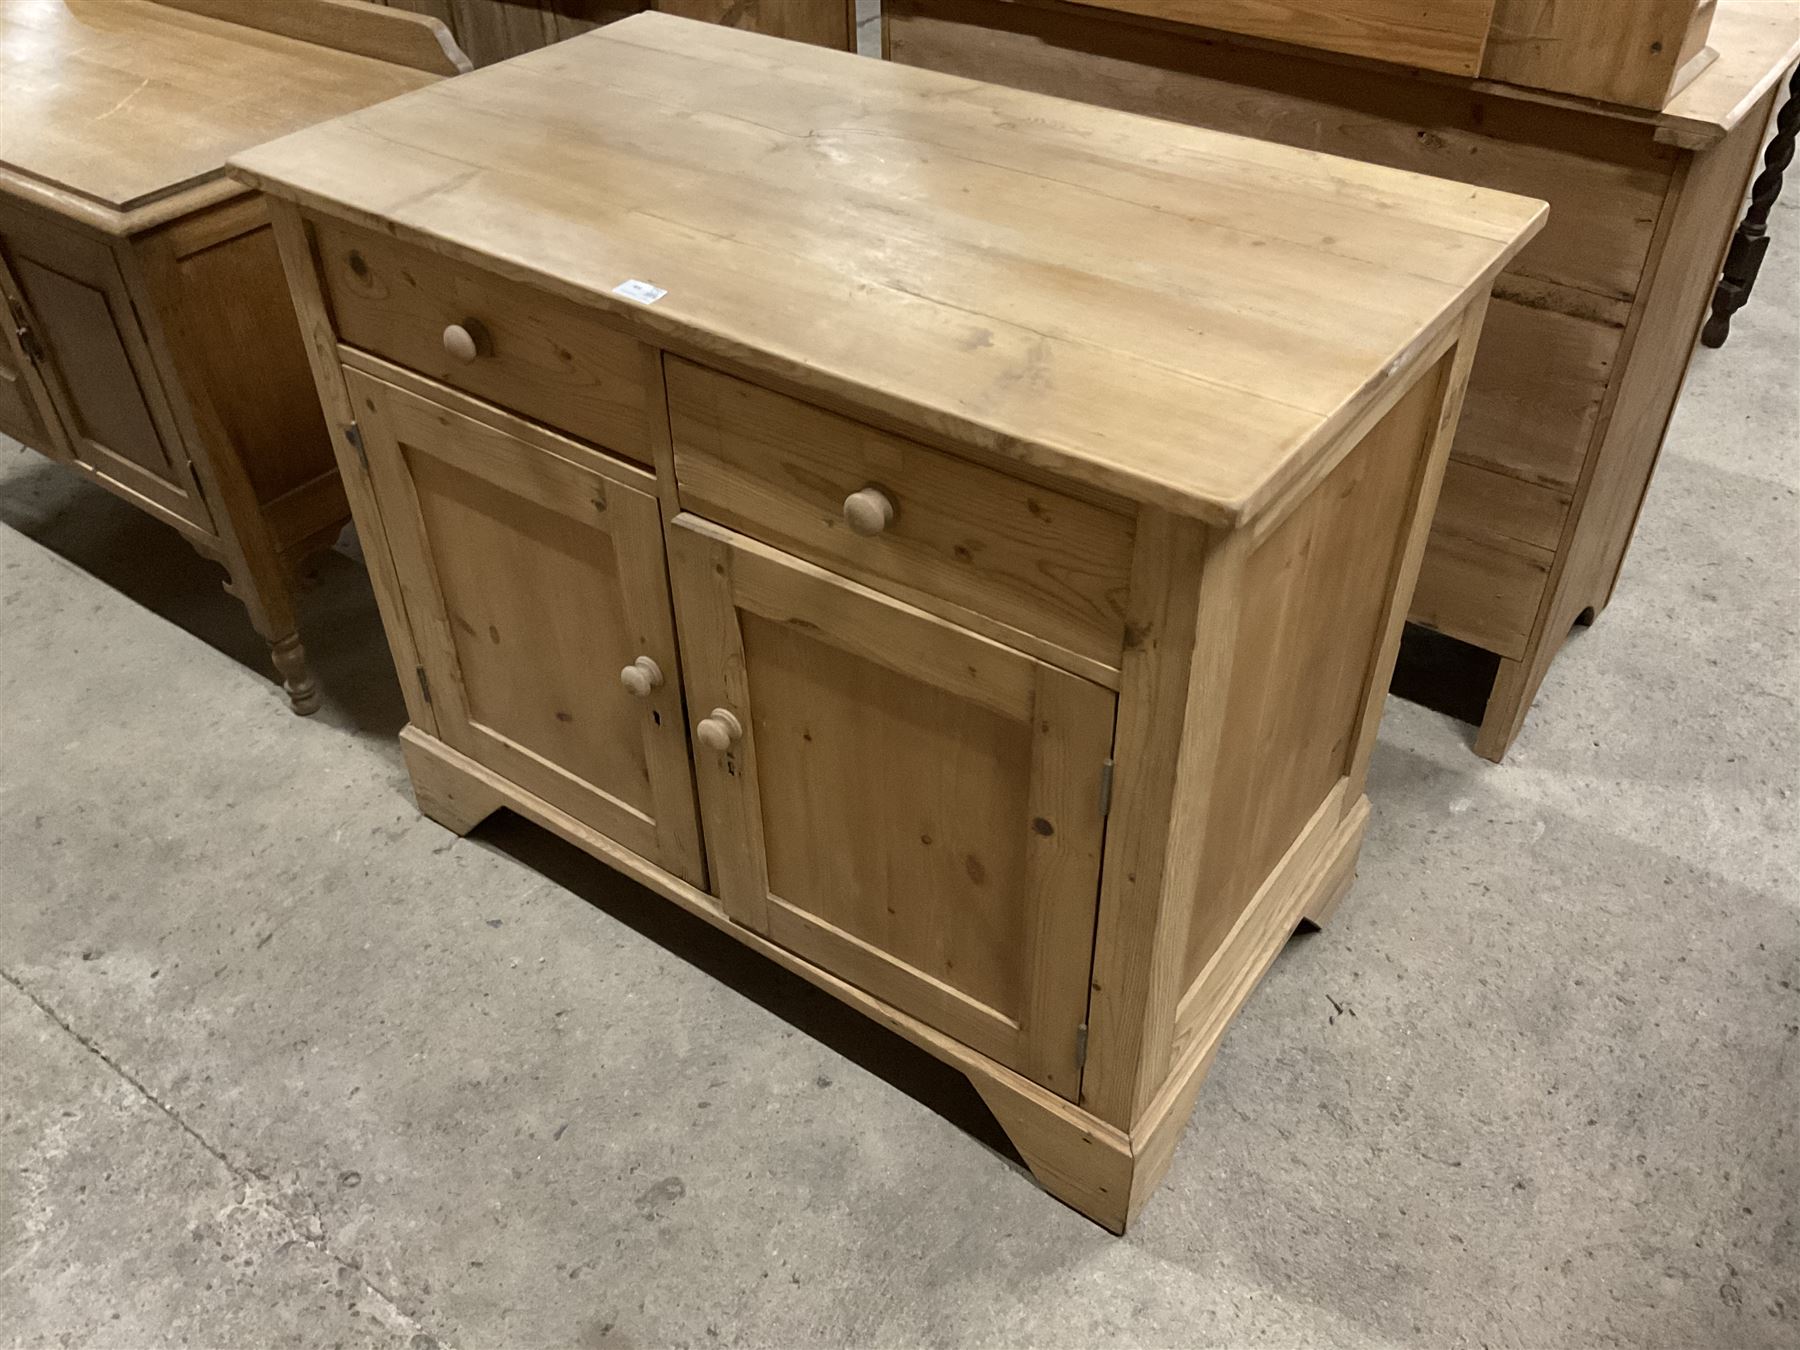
{"x": 296, "y": 676}
{"x": 1751, "y": 241}
{"x": 447, "y": 794}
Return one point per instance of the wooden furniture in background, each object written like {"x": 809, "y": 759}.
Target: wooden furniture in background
{"x": 1639, "y": 53}
{"x": 150, "y": 343}
{"x": 1591, "y": 327}
{"x": 1033, "y": 600}
{"x": 1635, "y": 52}
{"x": 494, "y": 30}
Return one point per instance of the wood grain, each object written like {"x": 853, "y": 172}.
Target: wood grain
{"x": 1005, "y": 322}
{"x": 192, "y": 90}
{"x": 1306, "y": 640}
{"x": 1603, "y": 181}
{"x": 532, "y": 580}
{"x": 910, "y": 806}
{"x": 393, "y": 36}
{"x": 1028, "y": 556}
{"x": 1614, "y": 53}
{"x": 549, "y": 360}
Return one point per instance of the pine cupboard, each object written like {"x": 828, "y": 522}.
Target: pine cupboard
{"x": 1591, "y": 326}
{"x": 149, "y": 341}
{"x": 776, "y": 484}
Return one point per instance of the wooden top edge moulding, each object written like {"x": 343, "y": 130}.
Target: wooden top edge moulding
{"x": 1167, "y": 313}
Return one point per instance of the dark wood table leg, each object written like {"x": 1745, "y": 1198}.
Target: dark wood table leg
{"x": 1752, "y": 238}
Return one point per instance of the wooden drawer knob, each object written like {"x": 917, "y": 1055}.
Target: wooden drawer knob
{"x": 466, "y": 340}
{"x": 869, "y": 511}
{"x": 642, "y": 677}
{"x": 720, "y": 731}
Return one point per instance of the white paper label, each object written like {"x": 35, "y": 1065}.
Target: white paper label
{"x": 641, "y": 291}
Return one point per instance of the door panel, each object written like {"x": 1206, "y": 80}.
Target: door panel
{"x": 95, "y": 365}
{"x": 533, "y": 575}
{"x": 907, "y": 804}
{"x": 25, "y": 412}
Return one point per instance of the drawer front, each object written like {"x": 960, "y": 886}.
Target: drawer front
{"x": 528, "y": 351}
{"x": 905, "y": 803}
{"x": 1027, "y": 557}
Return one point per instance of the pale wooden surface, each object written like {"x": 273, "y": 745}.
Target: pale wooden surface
{"x": 1757, "y": 42}
{"x": 1618, "y": 53}
{"x": 1029, "y": 556}
{"x": 1557, "y": 379}
{"x": 397, "y": 36}
{"x": 554, "y": 361}
{"x": 122, "y": 102}
{"x": 545, "y": 578}
{"x": 961, "y": 236}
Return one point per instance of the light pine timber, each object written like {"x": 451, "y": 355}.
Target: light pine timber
{"x": 397, "y": 37}
{"x": 1582, "y": 357}
{"x": 1025, "y": 709}
{"x": 153, "y": 345}
{"x": 1638, "y": 54}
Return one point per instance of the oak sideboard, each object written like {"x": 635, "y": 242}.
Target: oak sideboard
{"x": 150, "y": 343}
{"x": 779, "y": 484}
{"x": 1591, "y": 326}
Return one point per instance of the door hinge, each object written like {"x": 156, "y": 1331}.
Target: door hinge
{"x": 424, "y": 683}
{"x": 28, "y": 343}
{"x": 1106, "y": 777}
{"x": 1081, "y": 1046}
{"x": 353, "y": 434}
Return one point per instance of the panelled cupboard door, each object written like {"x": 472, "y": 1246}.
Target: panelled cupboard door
{"x": 909, "y": 805}
{"x": 95, "y": 364}
{"x": 533, "y": 577}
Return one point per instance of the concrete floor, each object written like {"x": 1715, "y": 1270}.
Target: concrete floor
{"x": 282, "y": 1063}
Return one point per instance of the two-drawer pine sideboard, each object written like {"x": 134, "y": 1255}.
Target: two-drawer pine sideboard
{"x": 1639, "y": 121}
{"x": 149, "y": 341}
{"x": 781, "y": 480}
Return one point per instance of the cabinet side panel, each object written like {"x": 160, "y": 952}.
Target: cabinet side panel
{"x": 1312, "y": 621}
{"x": 243, "y": 340}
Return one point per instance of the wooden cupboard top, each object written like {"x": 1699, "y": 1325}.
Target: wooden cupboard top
{"x": 1160, "y": 311}
{"x": 116, "y": 104}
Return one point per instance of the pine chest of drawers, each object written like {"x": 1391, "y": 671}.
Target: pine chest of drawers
{"x": 882, "y": 514}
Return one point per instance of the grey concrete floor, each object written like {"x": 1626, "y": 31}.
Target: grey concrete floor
{"x": 282, "y": 1063}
